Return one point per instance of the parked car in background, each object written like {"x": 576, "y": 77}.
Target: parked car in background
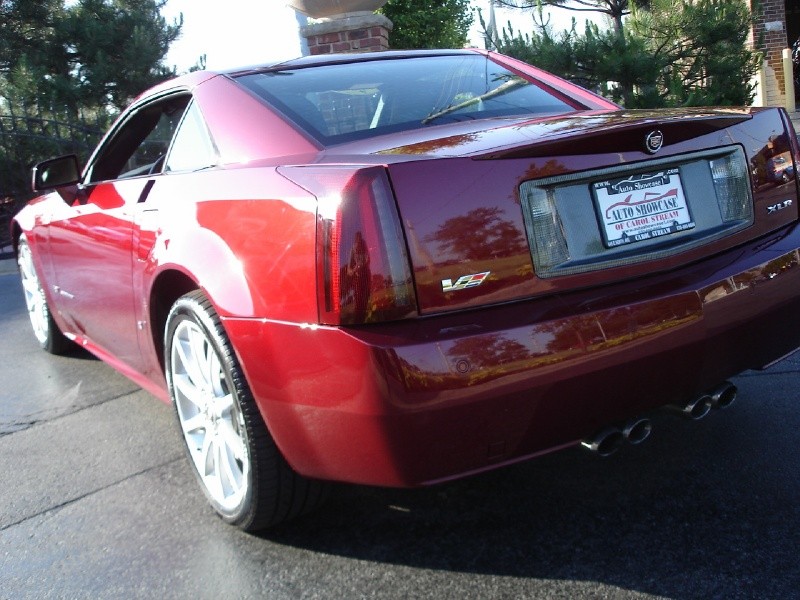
{"x": 400, "y": 268}
{"x": 781, "y": 167}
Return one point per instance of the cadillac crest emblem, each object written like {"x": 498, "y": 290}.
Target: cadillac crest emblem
{"x": 653, "y": 141}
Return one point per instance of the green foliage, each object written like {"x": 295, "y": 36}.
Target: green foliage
{"x": 66, "y": 70}
{"x": 674, "y": 53}
{"x": 615, "y": 10}
{"x": 28, "y": 138}
{"x": 90, "y": 54}
{"x": 426, "y": 24}
{"x": 702, "y": 49}
{"x": 115, "y": 47}
{"x": 602, "y": 60}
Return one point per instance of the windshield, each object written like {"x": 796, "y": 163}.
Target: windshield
{"x": 343, "y": 102}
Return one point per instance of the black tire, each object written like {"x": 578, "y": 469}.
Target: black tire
{"x": 45, "y": 329}
{"x": 246, "y": 479}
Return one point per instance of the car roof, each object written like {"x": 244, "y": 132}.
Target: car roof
{"x": 190, "y": 80}
{"x": 330, "y": 59}
{"x": 195, "y": 78}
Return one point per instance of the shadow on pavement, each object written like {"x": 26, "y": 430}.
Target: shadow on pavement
{"x": 667, "y": 518}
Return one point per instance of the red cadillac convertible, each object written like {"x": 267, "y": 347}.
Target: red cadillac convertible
{"x": 400, "y": 268}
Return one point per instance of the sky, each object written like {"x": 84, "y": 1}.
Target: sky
{"x": 236, "y": 33}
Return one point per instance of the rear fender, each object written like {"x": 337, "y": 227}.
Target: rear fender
{"x": 205, "y": 258}
{"x": 251, "y": 250}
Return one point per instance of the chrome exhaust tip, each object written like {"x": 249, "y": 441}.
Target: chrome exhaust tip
{"x": 694, "y": 409}
{"x": 723, "y": 395}
{"x": 637, "y": 430}
{"x": 604, "y": 443}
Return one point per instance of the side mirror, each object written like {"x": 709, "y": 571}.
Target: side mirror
{"x": 56, "y": 173}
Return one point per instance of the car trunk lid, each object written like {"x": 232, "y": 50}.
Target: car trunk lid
{"x": 534, "y": 208}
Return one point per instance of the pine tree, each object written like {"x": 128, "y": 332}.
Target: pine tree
{"x": 426, "y": 24}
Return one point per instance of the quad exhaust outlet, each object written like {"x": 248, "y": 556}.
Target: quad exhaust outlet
{"x": 695, "y": 409}
{"x": 635, "y": 431}
{"x": 721, "y": 396}
{"x": 607, "y": 441}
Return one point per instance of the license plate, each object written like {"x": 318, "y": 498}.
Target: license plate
{"x": 641, "y": 207}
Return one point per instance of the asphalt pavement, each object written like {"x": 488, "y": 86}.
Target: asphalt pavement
{"x": 7, "y": 262}
{"x": 98, "y": 501}
{"x": 7, "y": 265}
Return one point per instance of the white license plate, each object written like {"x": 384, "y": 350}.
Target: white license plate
{"x": 641, "y": 207}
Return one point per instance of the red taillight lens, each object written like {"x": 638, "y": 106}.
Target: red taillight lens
{"x": 363, "y": 271}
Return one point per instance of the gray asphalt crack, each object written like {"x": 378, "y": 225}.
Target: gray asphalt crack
{"x": 29, "y": 420}
{"x": 71, "y": 501}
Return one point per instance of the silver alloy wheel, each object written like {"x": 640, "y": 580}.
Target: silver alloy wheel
{"x": 209, "y": 415}
{"x": 34, "y": 294}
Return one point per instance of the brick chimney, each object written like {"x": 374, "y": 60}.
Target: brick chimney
{"x": 350, "y": 32}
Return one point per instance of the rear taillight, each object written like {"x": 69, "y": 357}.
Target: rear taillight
{"x": 732, "y": 185}
{"x": 363, "y": 270}
{"x": 546, "y": 232}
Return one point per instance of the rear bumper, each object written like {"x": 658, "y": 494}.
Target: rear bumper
{"x": 422, "y": 401}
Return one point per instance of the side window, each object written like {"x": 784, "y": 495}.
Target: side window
{"x": 192, "y": 149}
{"x": 140, "y": 145}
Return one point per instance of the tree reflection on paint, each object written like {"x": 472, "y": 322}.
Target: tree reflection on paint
{"x": 479, "y": 234}
{"x": 355, "y": 277}
{"x": 484, "y": 350}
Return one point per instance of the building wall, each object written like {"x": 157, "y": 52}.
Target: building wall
{"x": 357, "y": 32}
{"x": 770, "y": 36}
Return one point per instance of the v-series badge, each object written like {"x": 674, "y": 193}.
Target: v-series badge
{"x": 464, "y": 282}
